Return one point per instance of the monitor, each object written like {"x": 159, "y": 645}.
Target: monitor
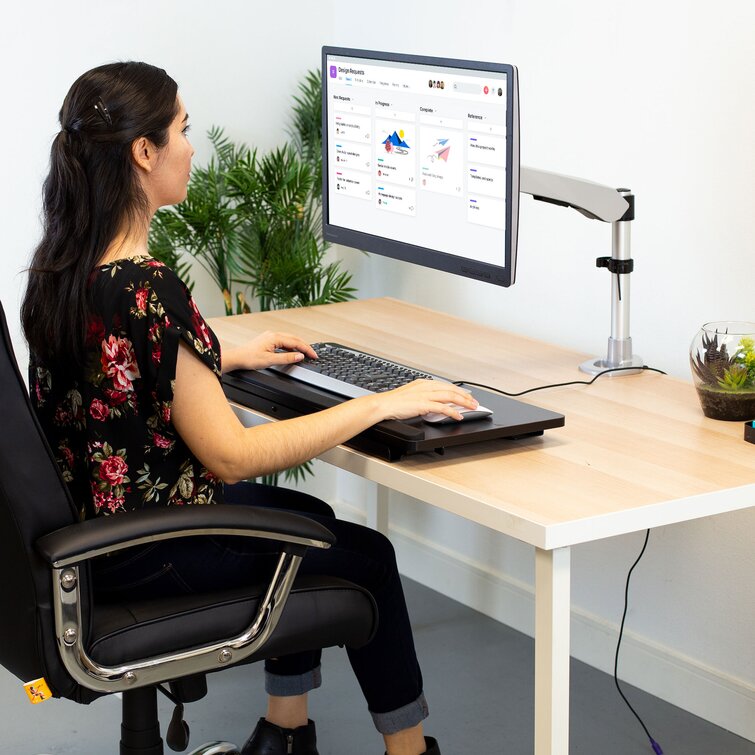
{"x": 421, "y": 160}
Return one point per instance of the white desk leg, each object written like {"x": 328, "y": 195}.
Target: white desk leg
{"x": 552, "y": 613}
{"x": 377, "y": 510}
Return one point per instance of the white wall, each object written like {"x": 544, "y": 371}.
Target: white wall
{"x": 654, "y": 96}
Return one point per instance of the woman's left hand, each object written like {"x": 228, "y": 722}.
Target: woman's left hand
{"x": 262, "y": 352}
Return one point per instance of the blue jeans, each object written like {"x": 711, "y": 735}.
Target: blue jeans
{"x": 386, "y": 668}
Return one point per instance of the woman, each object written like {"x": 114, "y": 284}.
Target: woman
{"x": 125, "y": 374}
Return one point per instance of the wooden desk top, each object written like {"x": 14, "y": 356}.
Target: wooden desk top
{"x": 636, "y": 451}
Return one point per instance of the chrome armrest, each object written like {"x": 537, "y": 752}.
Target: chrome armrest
{"x": 67, "y": 548}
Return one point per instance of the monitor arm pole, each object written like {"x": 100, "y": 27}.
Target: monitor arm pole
{"x": 614, "y": 206}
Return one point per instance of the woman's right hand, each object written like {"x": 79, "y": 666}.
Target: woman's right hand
{"x": 423, "y": 397}
{"x": 205, "y": 421}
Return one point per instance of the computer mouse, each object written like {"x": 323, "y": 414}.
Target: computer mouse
{"x": 436, "y": 418}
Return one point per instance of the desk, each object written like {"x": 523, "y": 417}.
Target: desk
{"x": 636, "y": 452}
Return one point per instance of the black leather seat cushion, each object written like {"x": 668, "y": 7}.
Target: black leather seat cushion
{"x": 319, "y": 613}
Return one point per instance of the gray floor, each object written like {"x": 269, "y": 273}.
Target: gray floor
{"x": 478, "y": 679}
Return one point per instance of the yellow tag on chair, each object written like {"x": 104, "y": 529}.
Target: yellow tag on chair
{"x": 38, "y": 691}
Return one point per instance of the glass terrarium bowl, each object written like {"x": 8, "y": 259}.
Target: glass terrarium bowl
{"x": 722, "y": 358}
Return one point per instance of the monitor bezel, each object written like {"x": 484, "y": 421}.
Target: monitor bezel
{"x": 500, "y": 275}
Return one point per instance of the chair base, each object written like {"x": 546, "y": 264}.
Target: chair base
{"x": 140, "y": 728}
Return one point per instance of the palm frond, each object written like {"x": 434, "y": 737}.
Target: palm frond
{"x": 306, "y": 126}
{"x": 227, "y": 153}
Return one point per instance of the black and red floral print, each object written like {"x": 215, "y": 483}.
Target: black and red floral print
{"x": 110, "y": 429}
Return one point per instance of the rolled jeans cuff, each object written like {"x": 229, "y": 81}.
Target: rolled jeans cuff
{"x": 402, "y": 718}
{"x": 294, "y": 684}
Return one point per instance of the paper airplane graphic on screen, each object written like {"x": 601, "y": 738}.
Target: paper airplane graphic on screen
{"x": 395, "y": 143}
{"x": 441, "y": 150}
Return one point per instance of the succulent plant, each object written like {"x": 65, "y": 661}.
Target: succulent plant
{"x": 735, "y": 378}
{"x": 710, "y": 367}
{"x": 715, "y": 367}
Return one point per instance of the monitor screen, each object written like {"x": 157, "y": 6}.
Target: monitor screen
{"x": 421, "y": 160}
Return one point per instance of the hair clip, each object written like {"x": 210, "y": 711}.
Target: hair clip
{"x": 103, "y": 111}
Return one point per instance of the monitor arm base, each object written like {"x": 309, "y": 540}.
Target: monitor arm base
{"x": 614, "y": 206}
{"x": 632, "y": 366}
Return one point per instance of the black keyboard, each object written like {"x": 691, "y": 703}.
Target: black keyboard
{"x": 351, "y": 373}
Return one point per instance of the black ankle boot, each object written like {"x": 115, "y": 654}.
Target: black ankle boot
{"x": 431, "y": 747}
{"x": 269, "y": 739}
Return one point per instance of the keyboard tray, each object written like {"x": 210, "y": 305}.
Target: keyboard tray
{"x": 280, "y": 396}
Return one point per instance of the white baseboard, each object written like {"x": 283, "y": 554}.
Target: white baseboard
{"x": 722, "y": 699}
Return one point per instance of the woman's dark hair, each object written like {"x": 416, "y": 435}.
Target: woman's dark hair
{"x": 90, "y": 194}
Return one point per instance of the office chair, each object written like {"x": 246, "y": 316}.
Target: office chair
{"x": 52, "y": 628}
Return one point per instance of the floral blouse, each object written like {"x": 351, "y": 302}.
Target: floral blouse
{"x": 110, "y": 428}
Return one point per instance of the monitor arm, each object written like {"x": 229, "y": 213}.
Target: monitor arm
{"x": 614, "y": 206}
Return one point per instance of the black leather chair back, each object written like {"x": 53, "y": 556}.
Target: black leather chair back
{"x": 34, "y": 501}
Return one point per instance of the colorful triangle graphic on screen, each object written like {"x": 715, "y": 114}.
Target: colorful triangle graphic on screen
{"x": 396, "y": 140}
{"x": 443, "y": 153}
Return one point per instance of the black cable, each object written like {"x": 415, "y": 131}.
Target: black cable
{"x": 656, "y": 747}
{"x": 558, "y": 385}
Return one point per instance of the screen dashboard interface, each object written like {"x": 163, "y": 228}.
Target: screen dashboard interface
{"x": 421, "y": 161}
